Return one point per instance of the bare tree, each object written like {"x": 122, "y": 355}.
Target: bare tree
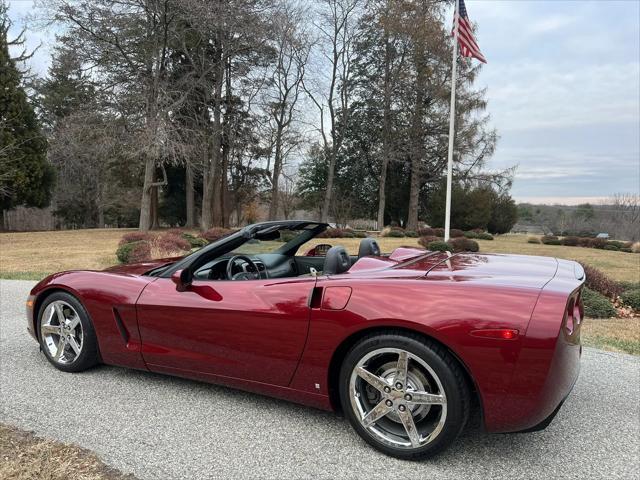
{"x": 337, "y": 36}
{"x": 292, "y": 52}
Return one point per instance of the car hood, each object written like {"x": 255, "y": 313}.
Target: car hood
{"x": 141, "y": 267}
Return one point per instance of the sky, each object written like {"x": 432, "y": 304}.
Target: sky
{"x": 563, "y": 90}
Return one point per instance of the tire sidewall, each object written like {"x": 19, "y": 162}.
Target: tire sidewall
{"x": 436, "y": 357}
{"x": 88, "y": 355}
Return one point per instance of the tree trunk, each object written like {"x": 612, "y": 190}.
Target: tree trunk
{"x": 328, "y": 194}
{"x": 417, "y": 150}
{"x": 100, "y": 206}
{"x": 190, "y": 197}
{"x": 145, "y": 202}
{"x": 277, "y": 168}
{"x": 154, "y": 208}
{"x": 386, "y": 137}
{"x": 211, "y": 179}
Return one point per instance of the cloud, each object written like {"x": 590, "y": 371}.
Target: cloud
{"x": 549, "y": 24}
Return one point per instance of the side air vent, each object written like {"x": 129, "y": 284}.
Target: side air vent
{"x": 121, "y": 328}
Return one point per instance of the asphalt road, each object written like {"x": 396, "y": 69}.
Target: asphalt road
{"x": 159, "y": 427}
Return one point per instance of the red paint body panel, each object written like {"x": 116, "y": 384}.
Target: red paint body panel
{"x": 278, "y": 336}
{"x": 253, "y": 330}
{"x": 335, "y": 298}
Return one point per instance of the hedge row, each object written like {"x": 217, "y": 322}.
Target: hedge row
{"x": 458, "y": 244}
{"x": 399, "y": 232}
{"x": 600, "y": 291}
{"x": 588, "y": 242}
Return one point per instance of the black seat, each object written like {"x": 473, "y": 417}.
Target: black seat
{"x": 336, "y": 261}
{"x": 368, "y": 247}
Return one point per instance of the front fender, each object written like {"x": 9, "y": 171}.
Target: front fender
{"x": 110, "y": 300}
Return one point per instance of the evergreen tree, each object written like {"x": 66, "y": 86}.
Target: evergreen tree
{"x": 25, "y": 176}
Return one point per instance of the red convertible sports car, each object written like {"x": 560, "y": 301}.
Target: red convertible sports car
{"x": 401, "y": 344}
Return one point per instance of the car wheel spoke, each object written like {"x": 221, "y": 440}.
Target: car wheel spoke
{"x": 372, "y": 379}
{"x": 379, "y": 411}
{"x": 50, "y": 330}
{"x": 74, "y": 322}
{"x": 59, "y": 313}
{"x": 60, "y": 349}
{"x": 410, "y": 427}
{"x": 403, "y": 365}
{"x": 74, "y": 345}
{"x": 425, "y": 398}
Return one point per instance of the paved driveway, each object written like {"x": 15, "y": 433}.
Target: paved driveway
{"x": 161, "y": 427}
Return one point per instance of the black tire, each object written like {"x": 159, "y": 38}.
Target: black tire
{"x": 446, "y": 367}
{"x": 88, "y": 356}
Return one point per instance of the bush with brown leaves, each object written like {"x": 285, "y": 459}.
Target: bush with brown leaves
{"x": 599, "y": 282}
{"x": 215, "y": 234}
{"x": 135, "y": 237}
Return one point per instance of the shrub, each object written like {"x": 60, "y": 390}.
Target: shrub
{"x": 171, "y": 243}
{"x": 134, "y": 252}
{"x": 616, "y": 243}
{"x": 626, "y": 250}
{"x": 599, "y": 282}
{"x": 570, "y": 241}
{"x": 484, "y": 236}
{"x": 635, "y": 248}
{"x": 215, "y": 234}
{"x": 395, "y": 234}
{"x": 439, "y": 246}
{"x": 427, "y": 239}
{"x": 584, "y": 242}
{"x": 631, "y": 298}
{"x": 411, "y": 233}
{"x": 135, "y": 237}
{"x": 462, "y": 244}
{"x": 455, "y": 233}
{"x": 597, "y": 243}
{"x": 348, "y": 234}
{"x": 438, "y": 232}
{"x": 427, "y": 232}
{"x": 597, "y": 305}
{"x": 533, "y": 240}
{"x": 359, "y": 234}
{"x": 195, "y": 242}
{"x": 549, "y": 238}
{"x": 613, "y": 248}
{"x": 470, "y": 234}
{"x": 287, "y": 235}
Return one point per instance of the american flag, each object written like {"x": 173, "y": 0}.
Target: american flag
{"x": 468, "y": 45}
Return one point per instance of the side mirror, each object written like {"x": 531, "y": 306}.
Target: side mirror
{"x": 182, "y": 279}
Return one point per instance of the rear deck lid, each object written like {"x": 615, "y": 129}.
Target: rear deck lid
{"x": 514, "y": 270}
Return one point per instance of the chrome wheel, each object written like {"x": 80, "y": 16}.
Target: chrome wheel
{"x": 398, "y": 398}
{"x": 61, "y": 332}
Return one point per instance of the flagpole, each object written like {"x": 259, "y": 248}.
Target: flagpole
{"x": 452, "y": 116}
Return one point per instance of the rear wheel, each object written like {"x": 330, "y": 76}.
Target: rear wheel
{"x": 404, "y": 395}
{"x": 66, "y": 333}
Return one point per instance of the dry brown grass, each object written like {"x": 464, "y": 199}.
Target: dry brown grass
{"x": 47, "y": 252}
{"x": 23, "y": 456}
{"x": 35, "y": 254}
{"x": 616, "y": 334}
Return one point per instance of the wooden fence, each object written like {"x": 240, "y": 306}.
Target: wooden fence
{"x": 23, "y": 219}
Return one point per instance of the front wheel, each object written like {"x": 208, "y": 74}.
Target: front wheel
{"x": 66, "y": 333}
{"x": 404, "y": 395}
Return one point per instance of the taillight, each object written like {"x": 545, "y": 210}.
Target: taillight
{"x": 575, "y": 312}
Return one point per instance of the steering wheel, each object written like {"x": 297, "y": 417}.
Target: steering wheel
{"x": 245, "y": 275}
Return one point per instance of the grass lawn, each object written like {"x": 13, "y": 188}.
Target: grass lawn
{"x": 33, "y": 255}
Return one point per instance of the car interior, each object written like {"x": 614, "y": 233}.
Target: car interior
{"x": 244, "y": 263}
